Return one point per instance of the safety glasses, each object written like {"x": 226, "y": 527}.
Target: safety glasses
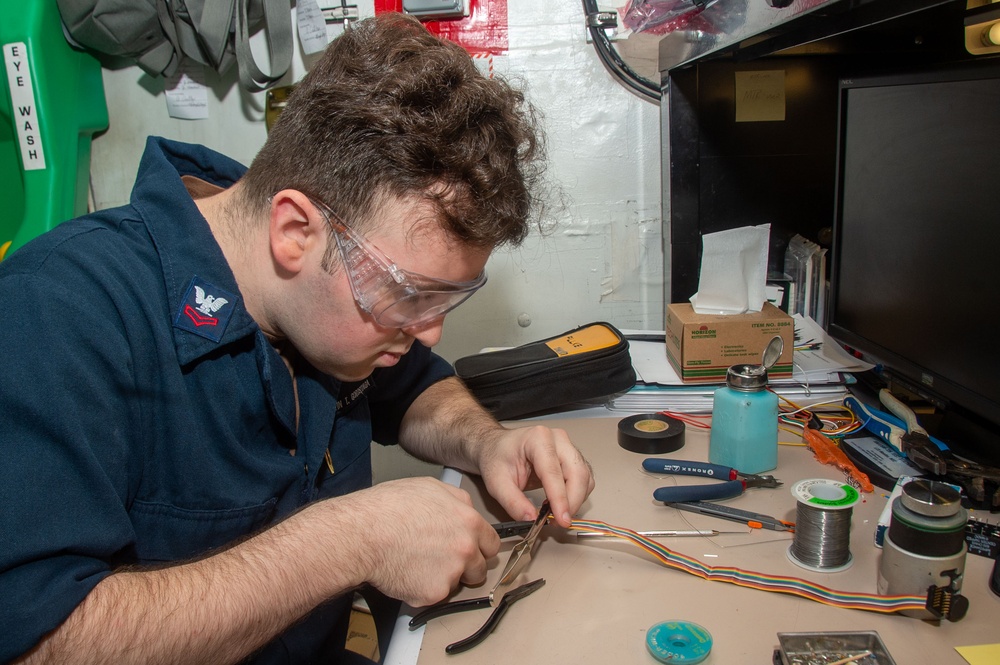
{"x": 394, "y": 297}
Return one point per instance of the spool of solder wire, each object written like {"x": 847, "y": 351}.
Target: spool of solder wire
{"x": 823, "y": 525}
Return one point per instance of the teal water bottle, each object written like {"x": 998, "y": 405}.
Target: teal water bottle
{"x": 744, "y": 432}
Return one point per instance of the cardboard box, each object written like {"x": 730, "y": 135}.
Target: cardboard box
{"x": 701, "y": 347}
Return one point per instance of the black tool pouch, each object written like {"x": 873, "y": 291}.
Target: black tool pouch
{"x": 585, "y": 364}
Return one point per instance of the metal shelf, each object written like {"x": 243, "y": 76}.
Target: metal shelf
{"x": 748, "y": 29}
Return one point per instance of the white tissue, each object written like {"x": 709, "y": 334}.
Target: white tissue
{"x": 733, "y": 271}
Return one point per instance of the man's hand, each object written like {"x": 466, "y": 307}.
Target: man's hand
{"x": 421, "y": 538}
{"x": 531, "y": 457}
{"x": 446, "y": 425}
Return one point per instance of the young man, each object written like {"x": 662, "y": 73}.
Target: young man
{"x": 192, "y": 381}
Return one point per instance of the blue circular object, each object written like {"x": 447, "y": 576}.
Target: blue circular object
{"x": 678, "y": 642}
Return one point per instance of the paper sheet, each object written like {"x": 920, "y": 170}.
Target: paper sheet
{"x": 312, "y": 26}
{"x": 828, "y": 357}
{"x": 760, "y": 96}
{"x": 983, "y": 654}
{"x": 186, "y": 92}
{"x": 733, "y": 276}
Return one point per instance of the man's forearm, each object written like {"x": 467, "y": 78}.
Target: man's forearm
{"x": 446, "y": 425}
{"x": 215, "y": 610}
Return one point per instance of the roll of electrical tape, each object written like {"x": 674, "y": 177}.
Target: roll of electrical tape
{"x": 678, "y": 642}
{"x": 651, "y": 434}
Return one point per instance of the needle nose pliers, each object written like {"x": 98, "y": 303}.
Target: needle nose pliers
{"x": 519, "y": 558}
{"x": 734, "y": 482}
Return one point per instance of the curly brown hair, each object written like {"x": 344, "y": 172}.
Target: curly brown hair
{"x": 392, "y": 110}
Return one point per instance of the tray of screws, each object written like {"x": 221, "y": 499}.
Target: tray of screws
{"x": 833, "y": 648}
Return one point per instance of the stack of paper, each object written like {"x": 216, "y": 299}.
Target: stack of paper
{"x": 698, "y": 399}
{"x": 824, "y": 358}
{"x": 820, "y": 374}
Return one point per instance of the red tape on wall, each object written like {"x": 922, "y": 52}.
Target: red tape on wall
{"x": 483, "y": 32}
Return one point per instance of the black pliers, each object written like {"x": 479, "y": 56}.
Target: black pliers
{"x": 734, "y": 482}
{"x": 441, "y": 609}
{"x": 519, "y": 558}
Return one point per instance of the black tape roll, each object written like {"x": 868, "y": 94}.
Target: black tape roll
{"x": 651, "y": 434}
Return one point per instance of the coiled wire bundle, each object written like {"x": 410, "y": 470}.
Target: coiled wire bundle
{"x": 823, "y": 525}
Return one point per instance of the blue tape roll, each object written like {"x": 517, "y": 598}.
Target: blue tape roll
{"x": 678, "y": 642}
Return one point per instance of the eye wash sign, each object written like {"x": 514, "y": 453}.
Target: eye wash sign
{"x": 24, "y": 112}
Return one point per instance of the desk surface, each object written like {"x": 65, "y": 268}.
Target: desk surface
{"x": 602, "y": 595}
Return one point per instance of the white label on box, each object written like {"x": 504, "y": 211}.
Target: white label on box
{"x": 24, "y": 111}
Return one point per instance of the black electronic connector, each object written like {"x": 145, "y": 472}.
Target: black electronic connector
{"x": 944, "y": 602}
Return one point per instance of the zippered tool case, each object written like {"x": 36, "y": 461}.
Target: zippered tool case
{"x": 583, "y": 365}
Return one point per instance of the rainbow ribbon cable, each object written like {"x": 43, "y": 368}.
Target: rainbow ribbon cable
{"x": 774, "y": 583}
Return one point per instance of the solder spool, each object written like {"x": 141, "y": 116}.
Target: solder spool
{"x": 823, "y": 525}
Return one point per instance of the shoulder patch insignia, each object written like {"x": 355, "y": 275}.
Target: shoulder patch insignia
{"x": 205, "y": 310}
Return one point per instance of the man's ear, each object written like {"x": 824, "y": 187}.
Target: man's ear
{"x": 295, "y": 230}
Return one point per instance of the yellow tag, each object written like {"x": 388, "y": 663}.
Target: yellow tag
{"x": 590, "y": 338}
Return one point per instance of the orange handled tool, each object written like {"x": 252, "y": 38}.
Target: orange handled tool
{"x": 827, "y": 452}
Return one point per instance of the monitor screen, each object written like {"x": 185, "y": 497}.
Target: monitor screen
{"x": 916, "y": 254}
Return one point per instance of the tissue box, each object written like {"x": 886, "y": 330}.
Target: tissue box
{"x": 701, "y": 347}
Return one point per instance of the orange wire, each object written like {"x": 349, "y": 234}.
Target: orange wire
{"x": 692, "y": 420}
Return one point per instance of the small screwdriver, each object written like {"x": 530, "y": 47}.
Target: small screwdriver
{"x": 753, "y": 520}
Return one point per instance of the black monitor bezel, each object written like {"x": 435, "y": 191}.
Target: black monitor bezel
{"x": 943, "y": 392}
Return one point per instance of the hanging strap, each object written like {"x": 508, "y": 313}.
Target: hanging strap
{"x": 278, "y": 28}
{"x": 212, "y": 20}
{"x": 203, "y": 30}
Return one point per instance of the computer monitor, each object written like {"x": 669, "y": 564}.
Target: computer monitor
{"x": 915, "y": 272}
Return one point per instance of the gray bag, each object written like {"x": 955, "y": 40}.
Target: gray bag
{"x": 159, "y": 34}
